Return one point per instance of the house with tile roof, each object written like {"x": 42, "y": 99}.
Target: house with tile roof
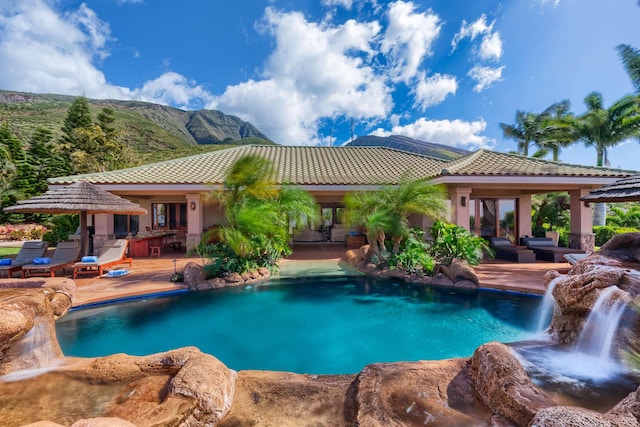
{"x": 489, "y": 192}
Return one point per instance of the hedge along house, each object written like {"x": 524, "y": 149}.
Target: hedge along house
{"x": 489, "y": 192}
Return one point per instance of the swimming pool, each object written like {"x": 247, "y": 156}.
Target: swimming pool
{"x": 318, "y": 326}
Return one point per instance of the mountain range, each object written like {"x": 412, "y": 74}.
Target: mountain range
{"x": 157, "y": 132}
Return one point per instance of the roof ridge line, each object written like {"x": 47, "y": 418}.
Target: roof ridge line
{"x": 460, "y": 162}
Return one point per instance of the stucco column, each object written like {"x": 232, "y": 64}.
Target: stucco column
{"x": 460, "y": 197}
{"x": 195, "y": 220}
{"x": 104, "y": 230}
{"x": 581, "y": 235}
{"x": 524, "y": 216}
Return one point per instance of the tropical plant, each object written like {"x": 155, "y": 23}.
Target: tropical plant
{"x": 603, "y": 128}
{"x": 624, "y": 215}
{"x": 452, "y": 241}
{"x": 60, "y": 227}
{"x": 558, "y": 130}
{"x": 630, "y": 57}
{"x": 550, "y": 212}
{"x": 386, "y": 211}
{"x": 258, "y": 215}
{"x": 413, "y": 256}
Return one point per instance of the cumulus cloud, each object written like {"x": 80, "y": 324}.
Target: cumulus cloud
{"x": 433, "y": 90}
{"x": 45, "y": 51}
{"x": 485, "y": 76}
{"x": 491, "y": 43}
{"x": 408, "y": 39}
{"x": 456, "y": 133}
{"x": 316, "y": 71}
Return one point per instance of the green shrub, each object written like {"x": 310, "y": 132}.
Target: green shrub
{"x": 413, "y": 256}
{"x": 605, "y": 233}
{"x": 452, "y": 241}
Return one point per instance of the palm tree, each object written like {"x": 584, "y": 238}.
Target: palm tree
{"x": 630, "y": 57}
{"x": 259, "y": 213}
{"x": 558, "y": 130}
{"x": 604, "y": 128}
{"x": 529, "y": 128}
{"x": 386, "y": 211}
{"x": 524, "y": 131}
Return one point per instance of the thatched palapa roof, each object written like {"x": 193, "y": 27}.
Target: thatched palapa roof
{"x": 623, "y": 190}
{"x": 80, "y": 197}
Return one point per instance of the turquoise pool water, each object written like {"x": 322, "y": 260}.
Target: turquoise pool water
{"x": 316, "y": 326}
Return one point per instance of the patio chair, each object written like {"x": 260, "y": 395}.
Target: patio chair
{"x": 65, "y": 255}
{"x": 507, "y": 251}
{"x": 29, "y": 251}
{"x": 114, "y": 252}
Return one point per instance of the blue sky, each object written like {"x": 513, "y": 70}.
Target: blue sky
{"x": 308, "y": 72}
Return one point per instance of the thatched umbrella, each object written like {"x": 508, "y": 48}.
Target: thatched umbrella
{"x": 622, "y": 190}
{"x": 78, "y": 198}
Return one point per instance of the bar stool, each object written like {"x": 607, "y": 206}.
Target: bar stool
{"x": 155, "y": 251}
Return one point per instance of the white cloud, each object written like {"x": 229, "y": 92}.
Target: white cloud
{"x": 491, "y": 43}
{"x": 485, "y": 76}
{"x": 553, "y": 3}
{"x": 456, "y": 133}
{"x": 347, "y": 4}
{"x": 491, "y": 47}
{"x": 316, "y": 71}
{"x": 433, "y": 90}
{"x": 173, "y": 89}
{"x": 44, "y": 51}
{"x": 408, "y": 39}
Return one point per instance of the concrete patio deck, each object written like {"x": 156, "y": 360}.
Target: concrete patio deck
{"x": 151, "y": 275}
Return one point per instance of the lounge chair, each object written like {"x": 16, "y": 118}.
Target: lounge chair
{"x": 30, "y": 250}
{"x": 573, "y": 259}
{"x": 114, "y": 252}
{"x": 507, "y": 251}
{"x": 65, "y": 255}
{"x": 546, "y": 249}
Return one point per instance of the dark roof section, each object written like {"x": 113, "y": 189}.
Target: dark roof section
{"x": 623, "y": 190}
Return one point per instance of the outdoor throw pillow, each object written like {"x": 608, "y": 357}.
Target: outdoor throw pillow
{"x": 89, "y": 259}
{"x": 42, "y": 260}
{"x": 5, "y": 261}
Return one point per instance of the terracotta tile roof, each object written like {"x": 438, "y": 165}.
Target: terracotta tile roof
{"x": 295, "y": 165}
{"x": 485, "y": 162}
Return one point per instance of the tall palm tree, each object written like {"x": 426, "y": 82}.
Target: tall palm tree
{"x": 529, "y": 129}
{"x": 525, "y": 130}
{"x": 559, "y": 129}
{"x": 630, "y": 57}
{"x": 604, "y": 128}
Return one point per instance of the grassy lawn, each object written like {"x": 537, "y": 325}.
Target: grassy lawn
{"x": 8, "y": 251}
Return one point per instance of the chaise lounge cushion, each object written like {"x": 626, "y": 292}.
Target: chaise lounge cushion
{"x": 505, "y": 250}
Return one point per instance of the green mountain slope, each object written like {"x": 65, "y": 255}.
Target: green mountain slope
{"x": 154, "y": 132}
{"x": 404, "y": 143}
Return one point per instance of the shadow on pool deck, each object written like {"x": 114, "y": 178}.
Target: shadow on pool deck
{"x": 151, "y": 275}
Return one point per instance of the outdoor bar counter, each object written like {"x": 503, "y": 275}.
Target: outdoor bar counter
{"x": 140, "y": 245}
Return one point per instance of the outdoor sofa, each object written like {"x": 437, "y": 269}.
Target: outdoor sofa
{"x": 65, "y": 254}
{"x": 505, "y": 250}
{"x": 30, "y": 250}
{"x": 114, "y": 252}
{"x": 546, "y": 249}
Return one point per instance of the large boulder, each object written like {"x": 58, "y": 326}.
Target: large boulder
{"x": 503, "y": 385}
{"x": 179, "y": 387}
{"x": 460, "y": 271}
{"x": 417, "y": 393}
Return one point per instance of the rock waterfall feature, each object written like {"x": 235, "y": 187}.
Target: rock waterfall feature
{"x": 190, "y": 388}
